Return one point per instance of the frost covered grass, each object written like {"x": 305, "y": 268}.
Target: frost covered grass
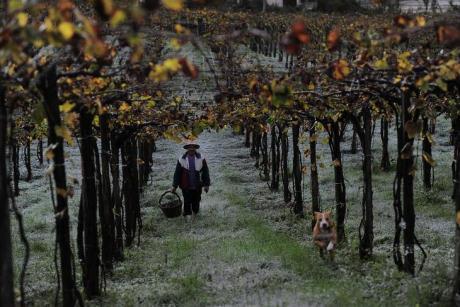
{"x": 246, "y": 248}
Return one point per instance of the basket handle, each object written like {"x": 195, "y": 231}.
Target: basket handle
{"x": 162, "y": 195}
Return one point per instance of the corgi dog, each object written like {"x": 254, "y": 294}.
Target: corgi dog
{"x": 324, "y": 233}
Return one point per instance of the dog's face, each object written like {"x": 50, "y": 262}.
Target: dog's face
{"x": 323, "y": 220}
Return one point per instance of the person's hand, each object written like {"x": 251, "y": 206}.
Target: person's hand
{"x": 173, "y": 189}
{"x": 206, "y": 189}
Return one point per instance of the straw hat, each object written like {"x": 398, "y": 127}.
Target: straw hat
{"x": 191, "y": 144}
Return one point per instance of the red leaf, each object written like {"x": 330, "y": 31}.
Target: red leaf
{"x": 293, "y": 41}
{"x": 402, "y": 21}
{"x": 188, "y": 68}
{"x": 333, "y": 40}
{"x": 298, "y": 27}
{"x": 448, "y": 35}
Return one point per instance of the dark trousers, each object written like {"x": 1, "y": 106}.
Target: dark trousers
{"x": 191, "y": 201}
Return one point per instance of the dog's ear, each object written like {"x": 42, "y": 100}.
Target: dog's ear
{"x": 317, "y": 215}
{"x": 328, "y": 212}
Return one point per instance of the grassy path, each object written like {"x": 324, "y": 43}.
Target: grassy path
{"x": 227, "y": 256}
{"x": 246, "y": 249}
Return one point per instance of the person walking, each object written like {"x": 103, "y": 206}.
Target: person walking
{"x": 192, "y": 176}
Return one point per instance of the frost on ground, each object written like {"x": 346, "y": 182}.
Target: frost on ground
{"x": 246, "y": 248}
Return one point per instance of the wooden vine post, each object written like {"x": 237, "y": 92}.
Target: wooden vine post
{"x": 287, "y": 195}
{"x": 91, "y": 242}
{"x": 426, "y": 152}
{"x": 49, "y": 90}
{"x": 456, "y": 141}
{"x": 385, "y": 162}
{"x": 106, "y": 207}
{"x": 6, "y": 260}
{"x": 366, "y": 227}
{"x": 297, "y": 171}
{"x": 335, "y": 135}
{"x": 314, "y": 173}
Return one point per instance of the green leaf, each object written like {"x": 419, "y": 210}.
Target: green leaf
{"x": 38, "y": 113}
{"x": 441, "y": 84}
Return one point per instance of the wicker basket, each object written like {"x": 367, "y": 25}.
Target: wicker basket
{"x": 171, "y": 208}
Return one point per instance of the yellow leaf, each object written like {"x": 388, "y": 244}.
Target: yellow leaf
{"x": 96, "y": 121}
{"x": 14, "y": 5}
{"x": 180, "y": 29}
{"x": 441, "y": 84}
{"x": 124, "y": 107}
{"x": 404, "y": 65}
{"x": 48, "y": 23}
{"x": 336, "y": 163}
{"x": 421, "y": 21}
{"x": 430, "y": 138}
{"x": 66, "y": 107}
{"x": 65, "y": 133}
{"x": 38, "y": 43}
{"x": 172, "y": 64}
{"x": 22, "y": 19}
{"x": 162, "y": 71}
{"x": 66, "y": 29}
{"x": 381, "y": 64}
{"x": 175, "y": 44}
{"x": 428, "y": 158}
{"x": 118, "y": 17}
{"x": 70, "y": 119}
{"x": 175, "y": 5}
{"x": 340, "y": 69}
{"x": 151, "y": 104}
